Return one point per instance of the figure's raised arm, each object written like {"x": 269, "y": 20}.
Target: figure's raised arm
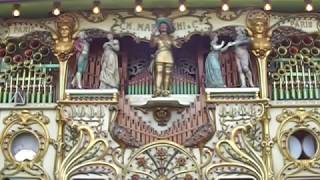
{"x": 217, "y": 46}
{"x": 178, "y": 43}
{"x": 229, "y": 44}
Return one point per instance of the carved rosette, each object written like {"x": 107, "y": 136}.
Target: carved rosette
{"x": 162, "y": 160}
{"x": 20, "y": 127}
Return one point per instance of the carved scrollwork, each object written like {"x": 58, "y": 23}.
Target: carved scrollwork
{"x": 234, "y": 115}
{"x": 162, "y": 160}
{"x": 290, "y": 123}
{"x": 25, "y": 141}
{"x": 96, "y": 117}
{"x": 87, "y": 157}
{"x": 238, "y": 157}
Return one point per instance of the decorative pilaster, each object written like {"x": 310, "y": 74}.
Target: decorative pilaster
{"x": 258, "y": 28}
{"x": 63, "y": 48}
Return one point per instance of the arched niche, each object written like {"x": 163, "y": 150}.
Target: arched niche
{"x": 227, "y": 58}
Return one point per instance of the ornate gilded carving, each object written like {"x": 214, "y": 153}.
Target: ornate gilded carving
{"x": 291, "y": 122}
{"x": 233, "y": 115}
{"x": 238, "y": 156}
{"x": 63, "y": 49}
{"x": 258, "y": 29}
{"x": 87, "y": 157}
{"x": 171, "y": 161}
{"x": 66, "y": 27}
{"x": 28, "y": 125}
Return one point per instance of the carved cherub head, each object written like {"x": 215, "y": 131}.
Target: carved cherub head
{"x": 66, "y": 25}
{"x": 258, "y": 22}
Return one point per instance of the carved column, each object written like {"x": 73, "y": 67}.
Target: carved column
{"x": 63, "y": 50}
{"x": 258, "y": 28}
{"x": 267, "y": 143}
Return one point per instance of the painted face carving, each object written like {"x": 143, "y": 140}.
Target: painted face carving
{"x": 110, "y": 36}
{"x": 163, "y": 27}
{"x": 259, "y": 27}
{"x": 64, "y": 31}
{"x": 214, "y": 38}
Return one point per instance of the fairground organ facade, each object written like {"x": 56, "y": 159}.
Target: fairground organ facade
{"x": 160, "y": 94}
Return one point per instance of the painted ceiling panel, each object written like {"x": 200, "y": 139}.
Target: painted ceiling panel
{"x": 42, "y": 8}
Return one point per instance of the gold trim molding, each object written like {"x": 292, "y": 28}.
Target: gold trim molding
{"x": 25, "y": 122}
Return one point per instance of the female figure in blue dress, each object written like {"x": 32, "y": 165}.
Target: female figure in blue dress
{"x": 214, "y": 77}
{"x": 82, "y": 55}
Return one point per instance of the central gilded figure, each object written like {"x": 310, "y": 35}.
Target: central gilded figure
{"x": 163, "y": 61}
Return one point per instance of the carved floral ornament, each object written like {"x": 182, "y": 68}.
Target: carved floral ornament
{"x": 87, "y": 157}
{"x": 298, "y": 141}
{"x": 238, "y": 157}
{"x": 25, "y": 141}
{"x": 171, "y": 160}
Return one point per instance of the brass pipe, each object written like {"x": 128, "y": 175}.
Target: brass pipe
{"x": 48, "y": 79}
{"x": 3, "y": 76}
{"x": 7, "y": 59}
{"x": 28, "y": 53}
{"x": 17, "y": 58}
{"x": 312, "y": 64}
{"x": 317, "y": 43}
{"x": 293, "y": 62}
{"x": 275, "y": 76}
{"x": 14, "y": 68}
{"x": 287, "y": 67}
{"x": 305, "y": 51}
{"x": 11, "y": 48}
{"x": 306, "y": 60}
{"x": 44, "y": 50}
{"x": 20, "y": 65}
{"x": 3, "y": 52}
{"x": 27, "y": 63}
{"x": 37, "y": 57}
{"x": 282, "y": 51}
{"x": 295, "y": 40}
{"x": 307, "y": 41}
{"x": 34, "y": 44}
{"x": 281, "y": 71}
{"x": 23, "y": 45}
{"x": 8, "y": 71}
{"x": 293, "y": 50}
{"x": 42, "y": 75}
{"x": 315, "y": 51}
{"x": 285, "y": 43}
{"x": 317, "y": 68}
{"x": 298, "y": 57}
